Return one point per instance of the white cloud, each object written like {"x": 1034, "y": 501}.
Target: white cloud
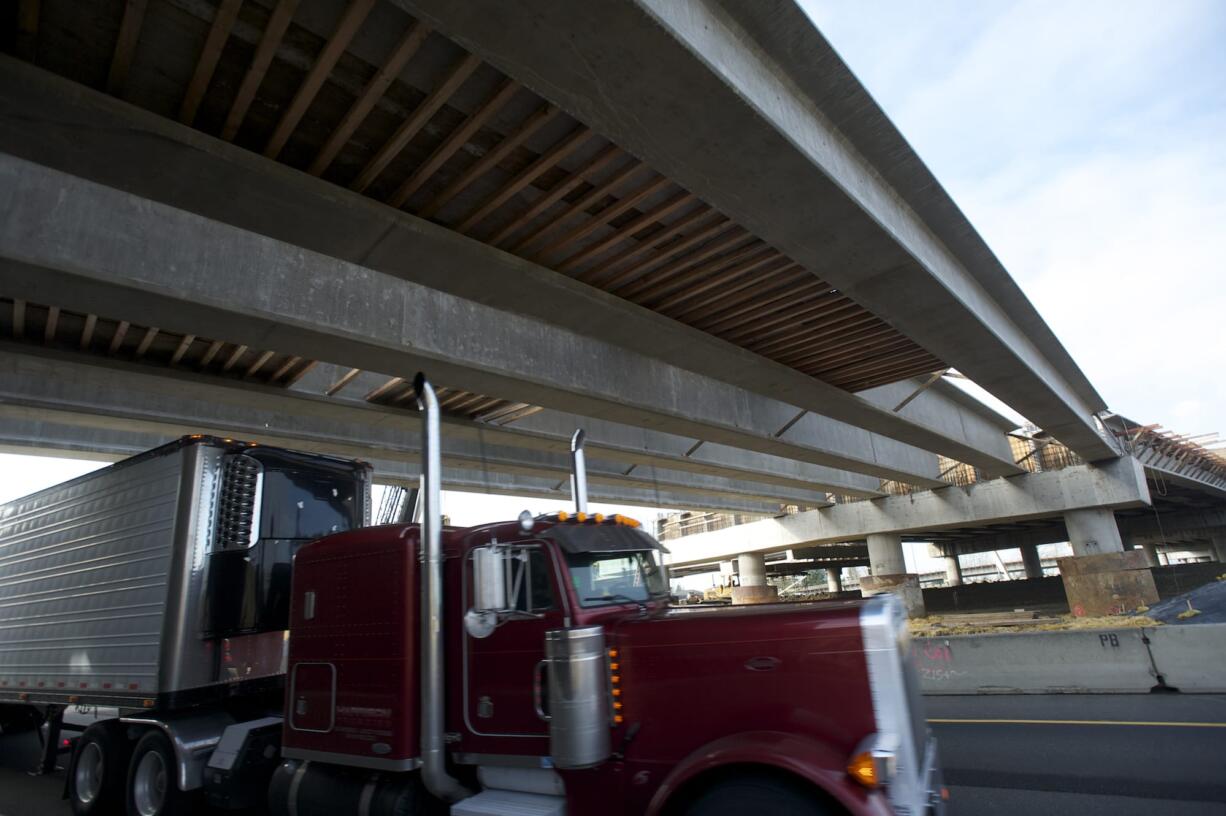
{"x": 1085, "y": 142}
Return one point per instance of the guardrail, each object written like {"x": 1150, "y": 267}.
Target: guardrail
{"x": 1190, "y": 658}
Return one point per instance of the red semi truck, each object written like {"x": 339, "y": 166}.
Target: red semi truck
{"x": 535, "y": 667}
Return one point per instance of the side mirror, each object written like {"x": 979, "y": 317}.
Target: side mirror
{"x": 489, "y": 591}
{"x": 490, "y": 579}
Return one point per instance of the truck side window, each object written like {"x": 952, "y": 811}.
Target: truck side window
{"x": 536, "y": 595}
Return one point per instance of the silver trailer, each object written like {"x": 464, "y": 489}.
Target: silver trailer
{"x": 159, "y": 586}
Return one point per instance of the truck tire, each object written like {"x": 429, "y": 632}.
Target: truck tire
{"x": 761, "y": 793}
{"x": 97, "y": 772}
{"x": 153, "y": 788}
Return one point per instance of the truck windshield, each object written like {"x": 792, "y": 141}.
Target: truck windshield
{"x": 604, "y": 579}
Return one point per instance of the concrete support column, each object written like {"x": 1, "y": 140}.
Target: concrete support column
{"x": 888, "y": 570}
{"x": 1093, "y": 531}
{"x": 1151, "y": 554}
{"x": 834, "y": 580}
{"x": 885, "y": 555}
{"x": 1219, "y": 546}
{"x": 753, "y": 588}
{"x": 953, "y": 570}
{"x": 1031, "y": 562}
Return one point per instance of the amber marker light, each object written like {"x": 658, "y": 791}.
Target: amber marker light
{"x": 863, "y": 769}
{"x": 615, "y": 689}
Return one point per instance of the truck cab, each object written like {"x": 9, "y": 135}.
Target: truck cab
{"x": 572, "y": 687}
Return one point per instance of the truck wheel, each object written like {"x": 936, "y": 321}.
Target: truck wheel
{"x": 757, "y": 793}
{"x": 153, "y": 789}
{"x": 96, "y": 773}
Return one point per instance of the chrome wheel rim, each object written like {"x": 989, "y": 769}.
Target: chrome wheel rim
{"x": 149, "y": 784}
{"x": 88, "y": 777}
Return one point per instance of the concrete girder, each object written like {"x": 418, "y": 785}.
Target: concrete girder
{"x": 96, "y": 249}
{"x": 42, "y": 118}
{"x": 44, "y": 437}
{"x": 132, "y": 398}
{"x": 1114, "y": 484}
{"x": 792, "y": 146}
{"x": 610, "y": 442}
{"x": 636, "y": 446}
{"x": 1143, "y": 530}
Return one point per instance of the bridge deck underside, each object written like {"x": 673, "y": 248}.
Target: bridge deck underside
{"x": 370, "y": 99}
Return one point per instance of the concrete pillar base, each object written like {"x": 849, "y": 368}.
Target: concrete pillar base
{"x": 755, "y": 594}
{"x": 834, "y": 580}
{"x": 906, "y": 587}
{"x": 1108, "y": 584}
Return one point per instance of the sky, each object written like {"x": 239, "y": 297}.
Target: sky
{"x": 1086, "y": 142}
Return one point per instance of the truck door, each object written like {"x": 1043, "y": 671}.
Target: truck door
{"x": 500, "y": 670}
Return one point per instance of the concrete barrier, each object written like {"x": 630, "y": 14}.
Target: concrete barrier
{"x": 1036, "y": 663}
{"x": 1191, "y": 657}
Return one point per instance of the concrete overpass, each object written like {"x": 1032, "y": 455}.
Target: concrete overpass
{"x": 682, "y": 225}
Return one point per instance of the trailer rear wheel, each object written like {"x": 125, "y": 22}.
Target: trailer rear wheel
{"x": 96, "y": 775}
{"x": 152, "y": 788}
{"x": 761, "y": 793}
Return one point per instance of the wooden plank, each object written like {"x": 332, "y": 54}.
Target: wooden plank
{"x": 694, "y": 265}
{"x": 635, "y": 272}
{"x": 234, "y": 357}
{"x": 770, "y": 257}
{"x": 627, "y": 230}
{"x": 523, "y": 178}
{"x": 125, "y": 45}
{"x": 580, "y": 207}
{"x": 512, "y": 140}
{"x": 19, "y": 319}
{"x": 270, "y": 40}
{"x": 349, "y": 24}
{"x": 87, "y": 332}
{"x": 255, "y": 367}
{"x": 753, "y": 298}
{"x": 711, "y": 270}
{"x": 219, "y": 32}
{"x": 413, "y": 37}
{"x": 210, "y": 353}
{"x": 415, "y": 121}
{"x": 457, "y": 139}
{"x": 182, "y": 348}
{"x": 146, "y": 341}
{"x": 343, "y": 381}
{"x": 121, "y": 331}
{"x": 822, "y": 306}
{"x": 388, "y": 385}
{"x": 26, "y": 45}
{"x": 284, "y": 368}
{"x": 604, "y": 216}
{"x": 555, "y": 194}
{"x": 666, "y": 233}
{"x": 300, "y": 373}
{"x": 53, "y": 322}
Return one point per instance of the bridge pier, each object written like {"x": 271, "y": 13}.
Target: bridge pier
{"x": 1031, "y": 561}
{"x": 754, "y": 588}
{"x": 889, "y": 573}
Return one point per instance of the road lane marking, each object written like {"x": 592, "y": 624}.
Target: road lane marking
{"x": 1081, "y": 722}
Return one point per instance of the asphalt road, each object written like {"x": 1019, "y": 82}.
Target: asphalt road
{"x": 1069, "y": 755}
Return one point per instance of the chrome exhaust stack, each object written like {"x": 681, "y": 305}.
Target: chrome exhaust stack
{"x": 433, "y": 759}
{"x": 578, "y": 475}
